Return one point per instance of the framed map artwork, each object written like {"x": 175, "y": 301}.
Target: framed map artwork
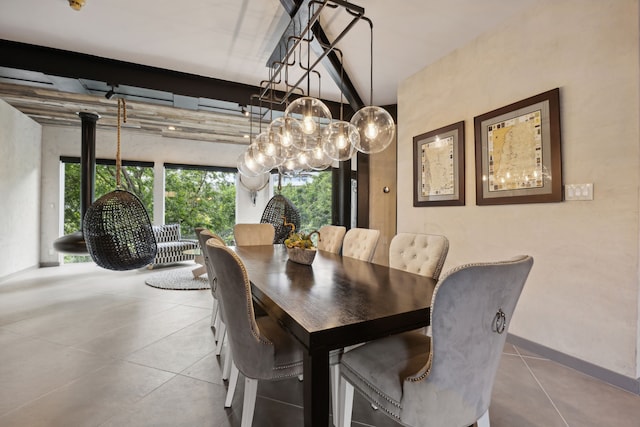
{"x": 518, "y": 155}
{"x": 438, "y": 167}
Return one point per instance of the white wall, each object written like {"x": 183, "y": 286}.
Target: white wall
{"x": 582, "y": 296}
{"x": 20, "y": 190}
{"x": 64, "y": 141}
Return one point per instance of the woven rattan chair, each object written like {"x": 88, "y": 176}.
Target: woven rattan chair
{"x": 118, "y": 232}
{"x": 279, "y": 209}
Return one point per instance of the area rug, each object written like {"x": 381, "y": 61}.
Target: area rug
{"x": 177, "y": 279}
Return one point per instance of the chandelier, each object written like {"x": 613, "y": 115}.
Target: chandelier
{"x": 306, "y": 137}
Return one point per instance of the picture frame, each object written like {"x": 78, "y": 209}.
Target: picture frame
{"x": 438, "y": 167}
{"x": 518, "y": 152}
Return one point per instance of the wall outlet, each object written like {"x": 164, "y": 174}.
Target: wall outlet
{"x": 578, "y": 191}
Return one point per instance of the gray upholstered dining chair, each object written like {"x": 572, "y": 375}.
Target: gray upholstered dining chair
{"x": 253, "y": 234}
{"x": 422, "y": 254}
{"x": 262, "y": 349}
{"x": 360, "y": 243}
{"x": 203, "y": 235}
{"x": 331, "y": 237}
{"x": 217, "y": 315}
{"x": 445, "y": 380}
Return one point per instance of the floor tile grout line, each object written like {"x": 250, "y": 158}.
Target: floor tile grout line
{"x": 55, "y": 389}
{"x": 542, "y": 388}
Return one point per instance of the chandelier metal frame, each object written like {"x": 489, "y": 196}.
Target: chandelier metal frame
{"x": 307, "y": 137}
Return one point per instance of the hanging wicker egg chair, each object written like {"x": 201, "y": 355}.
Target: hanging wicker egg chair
{"x": 278, "y": 211}
{"x": 118, "y": 232}
{"x": 117, "y": 229}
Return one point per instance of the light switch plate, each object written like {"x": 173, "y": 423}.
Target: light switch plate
{"x": 578, "y": 191}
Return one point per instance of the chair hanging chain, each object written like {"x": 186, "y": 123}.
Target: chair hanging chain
{"x": 122, "y": 114}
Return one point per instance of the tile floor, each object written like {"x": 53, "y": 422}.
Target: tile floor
{"x": 83, "y": 346}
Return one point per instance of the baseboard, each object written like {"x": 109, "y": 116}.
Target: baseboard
{"x": 626, "y": 383}
{"x": 16, "y": 273}
{"x": 49, "y": 264}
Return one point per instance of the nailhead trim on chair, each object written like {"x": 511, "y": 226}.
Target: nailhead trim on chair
{"x": 377, "y": 392}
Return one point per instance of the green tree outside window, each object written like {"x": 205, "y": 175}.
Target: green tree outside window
{"x": 201, "y": 198}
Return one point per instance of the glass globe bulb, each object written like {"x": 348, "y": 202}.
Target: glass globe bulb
{"x": 315, "y": 118}
{"x": 341, "y": 142}
{"x": 308, "y": 125}
{"x": 290, "y": 167}
{"x": 247, "y": 164}
{"x": 376, "y": 128}
{"x": 371, "y": 131}
{"x": 268, "y": 150}
{"x": 289, "y": 130}
{"x": 317, "y": 159}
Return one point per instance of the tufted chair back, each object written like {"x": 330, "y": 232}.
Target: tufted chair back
{"x": 254, "y": 234}
{"x": 360, "y": 243}
{"x": 422, "y": 254}
{"x": 331, "y": 238}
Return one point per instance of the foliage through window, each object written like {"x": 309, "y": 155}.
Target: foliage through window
{"x": 201, "y": 198}
{"x": 311, "y": 195}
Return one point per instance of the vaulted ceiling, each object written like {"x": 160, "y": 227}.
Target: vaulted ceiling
{"x": 194, "y": 65}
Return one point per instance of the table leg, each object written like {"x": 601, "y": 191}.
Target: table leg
{"x": 316, "y": 388}
{"x": 201, "y": 269}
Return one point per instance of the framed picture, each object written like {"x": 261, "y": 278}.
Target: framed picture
{"x": 518, "y": 155}
{"x": 438, "y": 167}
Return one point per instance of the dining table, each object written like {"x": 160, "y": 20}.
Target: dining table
{"x": 335, "y": 302}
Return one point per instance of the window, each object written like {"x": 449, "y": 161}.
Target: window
{"x": 201, "y": 196}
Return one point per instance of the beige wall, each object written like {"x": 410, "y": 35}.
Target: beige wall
{"x": 582, "y": 296}
{"x": 19, "y": 189}
{"x": 382, "y": 206}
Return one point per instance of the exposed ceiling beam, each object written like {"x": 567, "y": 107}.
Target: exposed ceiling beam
{"x": 75, "y": 65}
{"x": 299, "y": 12}
{"x": 62, "y": 63}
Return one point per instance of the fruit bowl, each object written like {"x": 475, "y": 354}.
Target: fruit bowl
{"x": 301, "y": 256}
{"x": 300, "y": 247}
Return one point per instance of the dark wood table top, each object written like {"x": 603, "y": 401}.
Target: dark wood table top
{"x": 337, "y": 300}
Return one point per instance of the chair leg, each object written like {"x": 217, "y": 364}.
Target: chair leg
{"x": 228, "y": 361}
{"x": 484, "y": 420}
{"x": 223, "y": 332}
{"x": 334, "y": 382}
{"x": 233, "y": 382}
{"x": 249, "y": 402}
{"x": 214, "y": 317}
{"x": 346, "y": 403}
